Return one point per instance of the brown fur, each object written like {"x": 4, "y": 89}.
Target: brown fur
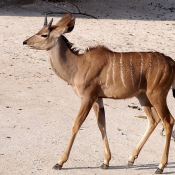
{"x": 100, "y": 73}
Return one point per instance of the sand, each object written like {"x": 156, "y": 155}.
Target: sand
{"x": 37, "y": 109}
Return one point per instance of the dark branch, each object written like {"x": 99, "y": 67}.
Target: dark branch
{"x": 85, "y": 14}
{"x": 65, "y": 11}
{"x": 51, "y": 4}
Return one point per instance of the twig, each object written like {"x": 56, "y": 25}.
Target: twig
{"x": 140, "y": 116}
{"x": 75, "y": 13}
{"x": 85, "y": 14}
{"x": 51, "y": 4}
{"x": 74, "y": 5}
{"x": 81, "y": 13}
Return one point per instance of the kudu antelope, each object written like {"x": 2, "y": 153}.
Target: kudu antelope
{"x": 100, "y": 73}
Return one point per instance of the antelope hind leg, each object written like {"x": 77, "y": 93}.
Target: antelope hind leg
{"x": 168, "y": 122}
{"x": 153, "y": 120}
{"x": 152, "y": 123}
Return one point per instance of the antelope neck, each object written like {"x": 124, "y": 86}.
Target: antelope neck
{"x": 64, "y": 63}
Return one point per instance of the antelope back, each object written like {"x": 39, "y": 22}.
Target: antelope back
{"x": 48, "y": 36}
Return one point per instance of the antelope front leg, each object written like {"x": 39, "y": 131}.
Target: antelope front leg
{"x": 86, "y": 105}
{"x": 168, "y": 122}
{"x": 100, "y": 114}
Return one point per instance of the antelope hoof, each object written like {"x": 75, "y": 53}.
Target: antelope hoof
{"x": 159, "y": 171}
{"x": 104, "y": 167}
{"x": 57, "y": 167}
{"x": 130, "y": 164}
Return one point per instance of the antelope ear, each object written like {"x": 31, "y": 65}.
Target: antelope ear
{"x": 56, "y": 31}
{"x": 63, "y": 21}
{"x": 70, "y": 26}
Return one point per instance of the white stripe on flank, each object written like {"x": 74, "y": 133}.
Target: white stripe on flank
{"x": 113, "y": 71}
{"x": 165, "y": 63}
{"x": 121, "y": 71}
{"x": 158, "y": 70}
{"x": 141, "y": 69}
{"x": 150, "y": 66}
{"x": 131, "y": 68}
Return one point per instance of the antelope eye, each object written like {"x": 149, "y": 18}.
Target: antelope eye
{"x": 44, "y": 35}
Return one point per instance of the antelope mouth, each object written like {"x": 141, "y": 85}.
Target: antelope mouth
{"x": 25, "y": 42}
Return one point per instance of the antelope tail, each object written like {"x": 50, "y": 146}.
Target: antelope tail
{"x": 173, "y": 85}
{"x": 173, "y": 88}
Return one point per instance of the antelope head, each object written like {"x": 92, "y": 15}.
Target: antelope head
{"x": 48, "y": 36}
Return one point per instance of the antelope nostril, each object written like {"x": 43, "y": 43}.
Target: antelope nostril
{"x": 25, "y": 42}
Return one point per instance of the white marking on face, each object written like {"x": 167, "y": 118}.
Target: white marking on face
{"x": 43, "y": 46}
{"x": 132, "y": 71}
{"x": 141, "y": 69}
{"x": 121, "y": 71}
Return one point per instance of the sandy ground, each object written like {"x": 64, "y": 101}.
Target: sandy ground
{"x": 37, "y": 109}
